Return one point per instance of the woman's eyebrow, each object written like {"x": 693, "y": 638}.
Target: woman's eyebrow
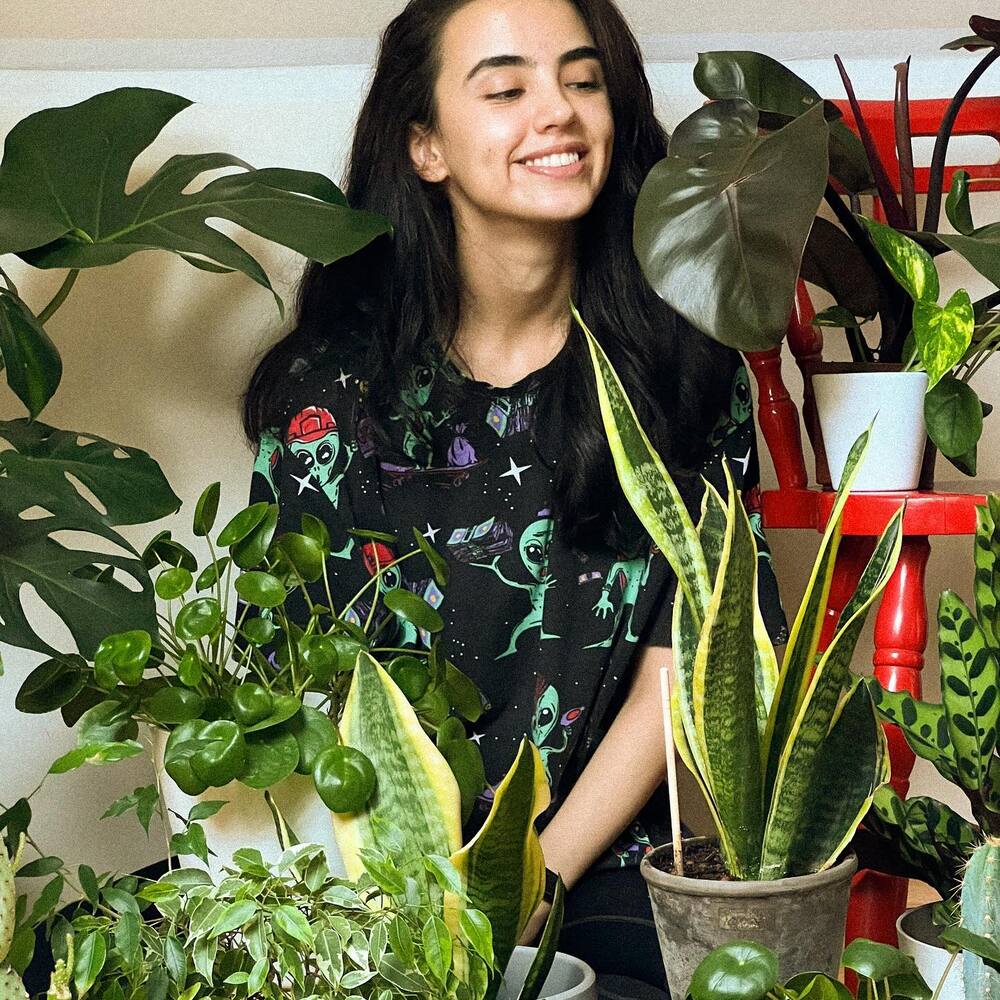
{"x": 573, "y": 55}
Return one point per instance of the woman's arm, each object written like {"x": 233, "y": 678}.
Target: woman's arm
{"x": 617, "y": 782}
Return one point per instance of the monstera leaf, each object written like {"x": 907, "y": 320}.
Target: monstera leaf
{"x": 79, "y": 585}
{"x": 63, "y": 200}
{"x": 721, "y": 194}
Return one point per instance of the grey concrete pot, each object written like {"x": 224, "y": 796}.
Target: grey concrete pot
{"x": 801, "y": 919}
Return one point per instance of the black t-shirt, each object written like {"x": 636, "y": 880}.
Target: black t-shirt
{"x": 549, "y": 633}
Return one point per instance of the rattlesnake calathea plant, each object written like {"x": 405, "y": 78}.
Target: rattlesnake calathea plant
{"x": 788, "y": 758}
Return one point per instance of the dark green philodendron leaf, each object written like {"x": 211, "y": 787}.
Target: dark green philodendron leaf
{"x": 721, "y": 222}
{"x": 987, "y": 580}
{"x": 31, "y": 360}
{"x": 131, "y": 489}
{"x": 954, "y": 416}
{"x": 911, "y": 265}
{"x": 970, "y": 676}
{"x": 779, "y": 95}
{"x": 957, "y": 206}
{"x": 943, "y": 334}
{"x": 924, "y": 725}
{"x": 740, "y": 970}
{"x": 63, "y": 201}
{"x": 981, "y": 248}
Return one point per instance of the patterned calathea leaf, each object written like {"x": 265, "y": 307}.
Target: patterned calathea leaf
{"x": 969, "y": 680}
{"x": 38, "y": 499}
{"x": 987, "y": 581}
{"x": 924, "y": 725}
{"x": 63, "y": 202}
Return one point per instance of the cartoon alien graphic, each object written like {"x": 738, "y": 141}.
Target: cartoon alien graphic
{"x": 418, "y": 420}
{"x": 740, "y": 409}
{"x": 752, "y": 502}
{"x": 547, "y": 724}
{"x": 633, "y": 843}
{"x": 533, "y": 546}
{"x": 314, "y": 439}
{"x": 375, "y": 555}
{"x": 267, "y": 458}
{"x": 630, "y": 575}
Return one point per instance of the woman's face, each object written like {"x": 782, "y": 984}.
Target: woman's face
{"x": 518, "y": 78}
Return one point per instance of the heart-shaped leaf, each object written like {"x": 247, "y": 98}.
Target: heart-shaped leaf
{"x": 706, "y": 213}
{"x": 132, "y": 490}
{"x": 943, "y": 333}
{"x": 911, "y": 265}
{"x": 954, "y": 416}
{"x": 63, "y": 201}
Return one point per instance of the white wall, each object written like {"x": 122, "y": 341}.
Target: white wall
{"x": 156, "y": 353}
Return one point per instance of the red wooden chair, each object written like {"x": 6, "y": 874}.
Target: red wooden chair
{"x": 901, "y": 619}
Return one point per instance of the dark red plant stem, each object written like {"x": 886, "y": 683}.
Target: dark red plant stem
{"x": 886, "y": 192}
{"x": 932, "y": 213}
{"x": 904, "y": 142}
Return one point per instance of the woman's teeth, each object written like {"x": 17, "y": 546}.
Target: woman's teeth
{"x": 558, "y": 160}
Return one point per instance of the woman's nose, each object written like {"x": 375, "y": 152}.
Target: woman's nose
{"x": 555, "y": 107}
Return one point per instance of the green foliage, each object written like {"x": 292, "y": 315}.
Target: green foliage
{"x": 789, "y": 759}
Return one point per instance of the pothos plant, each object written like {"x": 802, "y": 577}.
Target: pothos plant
{"x": 234, "y": 713}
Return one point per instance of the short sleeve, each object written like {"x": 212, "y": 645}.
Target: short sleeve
{"x": 733, "y": 439}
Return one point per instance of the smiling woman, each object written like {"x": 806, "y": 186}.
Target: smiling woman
{"x": 434, "y": 381}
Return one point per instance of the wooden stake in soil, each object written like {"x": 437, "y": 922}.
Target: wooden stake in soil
{"x": 668, "y": 737}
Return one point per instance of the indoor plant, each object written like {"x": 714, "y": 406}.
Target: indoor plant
{"x": 959, "y": 737}
{"x": 788, "y": 760}
{"x": 750, "y": 221}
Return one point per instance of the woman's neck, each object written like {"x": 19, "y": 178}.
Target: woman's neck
{"x": 514, "y": 311}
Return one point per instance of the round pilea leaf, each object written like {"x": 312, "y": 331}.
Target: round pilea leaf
{"x": 173, "y": 583}
{"x": 344, "y": 778}
{"x": 206, "y": 509}
{"x": 122, "y": 657}
{"x": 259, "y": 630}
{"x": 198, "y": 618}
{"x": 414, "y": 609}
{"x": 740, "y": 970}
{"x": 211, "y": 573}
{"x": 261, "y": 589}
{"x": 242, "y": 524}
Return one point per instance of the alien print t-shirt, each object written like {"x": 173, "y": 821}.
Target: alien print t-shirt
{"x": 547, "y": 632}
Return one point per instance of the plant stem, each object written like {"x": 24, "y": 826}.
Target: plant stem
{"x": 59, "y": 297}
{"x": 932, "y": 211}
{"x": 10, "y": 284}
{"x": 951, "y": 961}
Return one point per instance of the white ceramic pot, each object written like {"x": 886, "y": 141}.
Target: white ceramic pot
{"x": 917, "y": 938}
{"x": 846, "y": 402}
{"x": 246, "y": 820}
{"x": 570, "y": 978}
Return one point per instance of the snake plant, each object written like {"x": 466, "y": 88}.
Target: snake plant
{"x": 788, "y": 758}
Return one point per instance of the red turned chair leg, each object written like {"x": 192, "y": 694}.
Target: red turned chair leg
{"x": 900, "y": 639}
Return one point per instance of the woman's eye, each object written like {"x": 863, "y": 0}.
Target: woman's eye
{"x": 587, "y": 85}
{"x": 505, "y": 93}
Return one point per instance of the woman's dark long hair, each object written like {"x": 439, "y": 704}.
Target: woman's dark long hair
{"x": 388, "y": 298}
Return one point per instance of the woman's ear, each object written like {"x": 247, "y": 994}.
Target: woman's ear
{"x": 425, "y": 155}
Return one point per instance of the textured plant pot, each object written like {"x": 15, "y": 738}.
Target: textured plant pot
{"x": 918, "y": 938}
{"x": 848, "y": 401}
{"x": 801, "y": 918}
{"x": 246, "y": 821}
{"x": 570, "y": 978}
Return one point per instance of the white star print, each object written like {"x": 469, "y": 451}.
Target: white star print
{"x": 343, "y": 378}
{"x": 515, "y": 471}
{"x": 305, "y": 483}
{"x": 745, "y": 461}
{"x": 476, "y": 737}
{"x": 431, "y": 533}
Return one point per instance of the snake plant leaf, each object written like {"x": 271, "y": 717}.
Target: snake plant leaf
{"x": 970, "y": 676}
{"x": 535, "y": 980}
{"x": 416, "y": 791}
{"x": 791, "y": 802}
{"x": 924, "y": 726}
{"x": 780, "y": 95}
{"x": 131, "y": 489}
{"x": 722, "y": 191}
{"x": 839, "y": 796}
{"x": 30, "y": 359}
{"x": 724, "y": 695}
{"x": 63, "y": 200}
{"x": 987, "y": 579}
{"x": 803, "y": 642}
{"x": 502, "y": 868}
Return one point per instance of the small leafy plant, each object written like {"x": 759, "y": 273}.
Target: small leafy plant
{"x": 234, "y": 712}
